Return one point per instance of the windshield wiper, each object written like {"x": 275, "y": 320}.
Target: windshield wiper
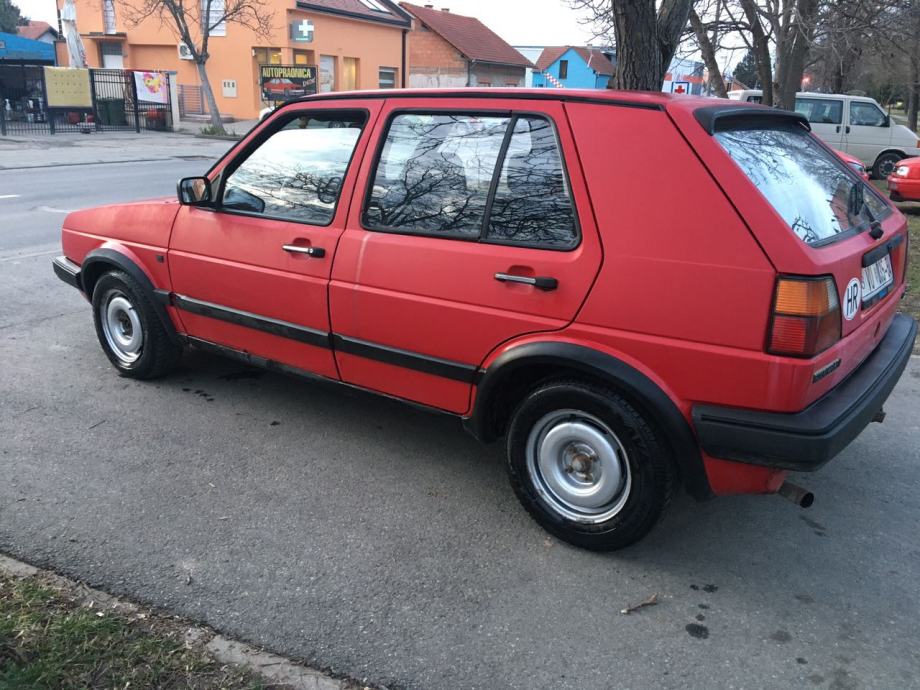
{"x": 856, "y": 202}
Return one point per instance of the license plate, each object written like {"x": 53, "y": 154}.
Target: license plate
{"x": 876, "y": 277}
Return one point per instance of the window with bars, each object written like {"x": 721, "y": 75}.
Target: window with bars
{"x": 108, "y": 16}
{"x": 214, "y": 16}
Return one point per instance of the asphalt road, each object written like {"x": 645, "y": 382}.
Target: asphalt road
{"x": 383, "y": 543}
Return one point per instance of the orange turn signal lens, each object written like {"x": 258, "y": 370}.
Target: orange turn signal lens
{"x": 806, "y": 316}
{"x": 805, "y": 297}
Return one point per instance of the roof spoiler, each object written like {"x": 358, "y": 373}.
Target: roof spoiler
{"x": 717, "y": 117}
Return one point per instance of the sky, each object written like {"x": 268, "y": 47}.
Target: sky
{"x": 519, "y": 22}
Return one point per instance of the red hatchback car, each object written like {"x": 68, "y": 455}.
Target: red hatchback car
{"x": 502, "y": 255}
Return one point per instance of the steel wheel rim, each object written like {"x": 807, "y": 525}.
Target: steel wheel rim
{"x": 578, "y": 466}
{"x": 121, "y": 326}
{"x": 887, "y": 167}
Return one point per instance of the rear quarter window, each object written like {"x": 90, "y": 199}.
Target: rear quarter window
{"x": 815, "y": 192}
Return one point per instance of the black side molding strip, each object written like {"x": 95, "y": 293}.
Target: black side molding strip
{"x": 445, "y": 368}
{"x": 456, "y": 371}
{"x": 285, "y": 329}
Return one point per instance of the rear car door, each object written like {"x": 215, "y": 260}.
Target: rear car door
{"x": 252, "y": 272}
{"x": 474, "y": 228}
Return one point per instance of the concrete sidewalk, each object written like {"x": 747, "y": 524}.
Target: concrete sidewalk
{"x": 238, "y": 128}
{"x": 108, "y": 147}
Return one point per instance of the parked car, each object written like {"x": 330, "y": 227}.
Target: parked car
{"x": 854, "y": 124}
{"x": 494, "y": 254}
{"x": 904, "y": 182}
{"x": 854, "y": 163}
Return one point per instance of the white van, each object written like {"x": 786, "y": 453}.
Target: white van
{"x": 855, "y": 124}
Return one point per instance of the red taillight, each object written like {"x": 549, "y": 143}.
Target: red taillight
{"x": 806, "y": 316}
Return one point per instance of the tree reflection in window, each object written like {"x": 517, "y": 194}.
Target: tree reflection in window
{"x": 532, "y": 205}
{"x": 809, "y": 188}
{"x": 297, "y": 173}
{"x": 435, "y": 172}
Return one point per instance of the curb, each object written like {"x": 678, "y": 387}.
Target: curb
{"x": 277, "y": 670}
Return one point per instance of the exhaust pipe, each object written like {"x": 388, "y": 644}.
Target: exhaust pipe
{"x": 801, "y": 497}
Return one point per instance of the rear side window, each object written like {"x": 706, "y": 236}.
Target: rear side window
{"x": 496, "y": 179}
{"x": 817, "y": 194}
{"x": 821, "y": 111}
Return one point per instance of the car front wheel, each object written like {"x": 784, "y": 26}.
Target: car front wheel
{"x": 129, "y": 330}
{"x": 587, "y": 465}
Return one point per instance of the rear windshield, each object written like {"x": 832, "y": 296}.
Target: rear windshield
{"x": 815, "y": 192}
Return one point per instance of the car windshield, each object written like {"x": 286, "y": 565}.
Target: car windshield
{"x": 817, "y": 194}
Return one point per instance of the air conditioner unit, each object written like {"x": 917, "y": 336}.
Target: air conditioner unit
{"x": 185, "y": 53}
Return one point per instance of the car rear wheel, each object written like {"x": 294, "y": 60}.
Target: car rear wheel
{"x": 129, "y": 330}
{"x": 885, "y": 165}
{"x": 587, "y": 465}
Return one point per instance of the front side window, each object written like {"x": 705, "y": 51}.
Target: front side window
{"x": 297, "y": 173}
{"x": 476, "y": 177}
{"x": 866, "y": 115}
{"x": 817, "y": 194}
{"x": 821, "y": 111}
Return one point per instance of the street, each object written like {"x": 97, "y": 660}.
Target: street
{"x": 383, "y": 543}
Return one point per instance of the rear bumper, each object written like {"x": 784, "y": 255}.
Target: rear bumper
{"x": 805, "y": 440}
{"x": 68, "y": 271}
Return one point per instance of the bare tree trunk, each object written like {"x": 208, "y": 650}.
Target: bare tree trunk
{"x": 791, "y": 61}
{"x": 709, "y": 55}
{"x": 646, "y": 41}
{"x": 761, "y": 48}
{"x": 913, "y": 95}
{"x": 209, "y": 96}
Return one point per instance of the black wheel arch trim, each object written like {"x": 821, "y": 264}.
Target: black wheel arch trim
{"x": 638, "y": 387}
{"x": 95, "y": 265}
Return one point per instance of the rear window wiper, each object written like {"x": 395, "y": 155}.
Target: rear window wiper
{"x": 856, "y": 203}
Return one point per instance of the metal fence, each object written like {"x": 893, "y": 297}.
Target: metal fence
{"x": 115, "y": 104}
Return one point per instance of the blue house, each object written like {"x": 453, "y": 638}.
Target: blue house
{"x": 573, "y": 67}
{"x": 17, "y": 49}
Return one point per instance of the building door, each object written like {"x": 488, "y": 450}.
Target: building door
{"x": 467, "y": 238}
{"x": 252, "y": 273}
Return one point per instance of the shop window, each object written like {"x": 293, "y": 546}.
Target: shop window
{"x": 303, "y": 57}
{"x": 386, "y": 78}
{"x": 349, "y": 74}
{"x": 326, "y": 73}
{"x": 267, "y": 56}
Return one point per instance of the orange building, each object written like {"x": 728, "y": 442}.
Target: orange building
{"x": 355, "y": 44}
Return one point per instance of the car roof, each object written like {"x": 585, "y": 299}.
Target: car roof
{"x": 654, "y": 100}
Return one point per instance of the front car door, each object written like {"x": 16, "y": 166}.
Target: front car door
{"x": 825, "y": 115}
{"x": 474, "y": 228}
{"x": 251, "y": 273}
{"x": 869, "y": 131}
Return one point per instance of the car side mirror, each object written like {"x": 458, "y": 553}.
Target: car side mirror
{"x": 194, "y": 191}
{"x": 887, "y": 122}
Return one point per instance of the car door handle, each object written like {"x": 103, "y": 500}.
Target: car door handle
{"x": 848, "y": 129}
{"x": 539, "y": 282}
{"x": 315, "y": 252}
{"x": 838, "y": 129}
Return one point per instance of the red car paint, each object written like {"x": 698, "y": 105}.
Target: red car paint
{"x": 854, "y": 163}
{"x": 679, "y": 290}
{"x": 904, "y": 182}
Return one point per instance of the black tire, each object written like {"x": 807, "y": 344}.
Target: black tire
{"x": 157, "y": 354}
{"x": 885, "y": 165}
{"x": 643, "y": 498}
